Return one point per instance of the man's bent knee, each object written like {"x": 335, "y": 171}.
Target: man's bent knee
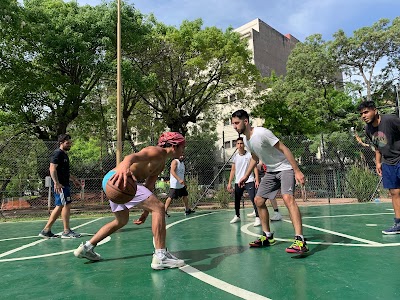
{"x": 259, "y": 201}
{"x": 121, "y": 218}
{"x": 153, "y": 204}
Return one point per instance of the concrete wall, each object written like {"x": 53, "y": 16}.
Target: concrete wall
{"x": 270, "y": 48}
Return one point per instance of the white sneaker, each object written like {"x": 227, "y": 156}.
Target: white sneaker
{"x": 276, "y": 217}
{"x": 83, "y": 252}
{"x": 257, "y": 222}
{"x": 253, "y": 214}
{"x": 167, "y": 262}
{"x": 235, "y": 219}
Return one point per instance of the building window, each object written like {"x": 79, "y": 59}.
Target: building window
{"x": 227, "y": 145}
{"x": 233, "y": 143}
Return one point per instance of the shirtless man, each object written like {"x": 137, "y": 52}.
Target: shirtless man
{"x": 145, "y": 166}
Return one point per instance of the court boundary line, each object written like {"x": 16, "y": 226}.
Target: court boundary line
{"x": 338, "y": 234}
{"x": 213, "y": 281}
{"x": 367, "y": 243}
{"x": 38, "y": 242}
{"x": 220, "y": 284}
{"x": 341, "y": 216}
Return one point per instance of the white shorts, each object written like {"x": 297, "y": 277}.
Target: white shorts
{"x": 142, "y": 194}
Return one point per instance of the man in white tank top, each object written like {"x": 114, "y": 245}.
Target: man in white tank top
{"x": 282, "y": 173}
{"x": 177, "y": 185}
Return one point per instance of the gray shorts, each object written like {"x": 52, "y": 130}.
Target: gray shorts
{"x": 272, "y": 181}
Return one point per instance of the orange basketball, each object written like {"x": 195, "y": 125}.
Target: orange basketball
{"x": 120, "y": 195}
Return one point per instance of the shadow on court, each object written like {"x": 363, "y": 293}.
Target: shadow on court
{"x": 321, "y": 247}
{"x": 215, "y": 256}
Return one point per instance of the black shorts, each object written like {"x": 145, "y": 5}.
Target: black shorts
{"x": 178, "y": 193}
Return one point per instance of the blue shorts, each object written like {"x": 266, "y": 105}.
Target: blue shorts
{"x": 391, "y": 176}
{"x": 64, "y": 197}
{"x": 106, "y": 178}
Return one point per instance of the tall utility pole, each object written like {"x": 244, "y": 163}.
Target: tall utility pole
{"x": 119, "y": 113}
{"x": 397, "y": 98}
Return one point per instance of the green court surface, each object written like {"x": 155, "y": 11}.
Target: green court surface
{"x": 349, "y": 258}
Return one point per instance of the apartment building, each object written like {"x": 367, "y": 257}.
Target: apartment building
{"x": 270, "y": 50}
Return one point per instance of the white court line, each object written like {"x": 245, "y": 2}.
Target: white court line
{"x": 338, "y": 234}
{"x": 39, "y": 241}
{"x": 245, "y": 230}
{"x": 189, "y": 218}
{"x": 20, "y": 238}
{"x": 341, "y": 216}
{"x": 222, "y": 285}
{"x": 21, "y": 248}
{"x": 36, "y": 237}
{"x": 107, "y": 239}
{"x": 37, "y": 256}
{"x": 219, "y": 284}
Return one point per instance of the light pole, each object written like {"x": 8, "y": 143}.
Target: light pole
{"x": 119, "y": 117}
{"x": 397, "y": 98}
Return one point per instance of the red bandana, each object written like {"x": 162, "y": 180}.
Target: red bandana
{"x": 173, "y": 138}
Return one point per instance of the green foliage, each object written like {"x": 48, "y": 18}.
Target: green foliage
{"x": 190, "y": 67}
{"x": 223, "y": 197}
{"x": 52, "y": 62}
{"x": 310, "y": 94}
{"x": 312, "y": 61}
{"x": 369, "y": 47}
{"x": 361, "y": 183}
{"x": 193, "y": 188}
{"x": 200, "y": 157}
{"x": 85, "y": 152}
{"x": 19, "y": 174}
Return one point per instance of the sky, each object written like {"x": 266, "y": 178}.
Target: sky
{"x": 301, "y": 18}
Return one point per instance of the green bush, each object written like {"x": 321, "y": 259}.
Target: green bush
{"x": 192, "y": 185}
{"x": 361, "y": 183}
{"x": 222, "y": 196}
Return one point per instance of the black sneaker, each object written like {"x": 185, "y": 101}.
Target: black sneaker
{"x": 395, "y": 229}
{"x": 189, "y": 211}
{"x": 48, "y": 235}
{"x": 263, "y": 241}
{"x": 70, "y": 235}
{"x": 167, "y": 215}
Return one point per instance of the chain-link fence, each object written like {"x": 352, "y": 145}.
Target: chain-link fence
{"x": 335, "y": 166}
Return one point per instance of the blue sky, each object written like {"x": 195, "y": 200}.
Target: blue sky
{"x": 301, "y": 18}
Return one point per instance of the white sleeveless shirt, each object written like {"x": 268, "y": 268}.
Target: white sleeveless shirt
{"x": 180, "y": 171}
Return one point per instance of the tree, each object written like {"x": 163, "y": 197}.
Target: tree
{"x": 310, "y": 94}
{"x": 183, "y": 71}
{"x": 361, "y": 53}
{"x": 53, "y": 56}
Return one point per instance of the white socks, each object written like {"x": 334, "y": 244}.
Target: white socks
{"x": 160, "y": 253}
{"x": 89, "y": 246}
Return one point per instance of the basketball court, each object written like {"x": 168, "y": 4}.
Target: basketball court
{"x": 349, "y": 258}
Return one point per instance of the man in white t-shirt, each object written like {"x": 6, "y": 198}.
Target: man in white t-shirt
{"x": 241, "y": 161}
{"x": 177, "y": 185}
{"x": 282, "y": 173}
